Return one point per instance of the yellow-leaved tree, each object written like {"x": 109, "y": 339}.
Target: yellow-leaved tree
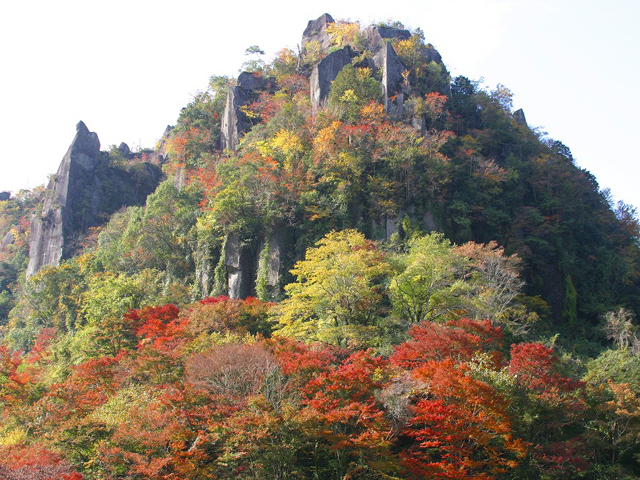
{"x": 338, "y": 295}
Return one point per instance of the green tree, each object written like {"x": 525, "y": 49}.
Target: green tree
{"x": 427, "y": 285}
{"x": 255, "y": 64}
{"x": 351, "y": 90}
{"x": 160, "y": 235}
{"x": 338, "y": 295}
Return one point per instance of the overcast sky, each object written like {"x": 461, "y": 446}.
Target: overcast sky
{"x": 126, "y": 67}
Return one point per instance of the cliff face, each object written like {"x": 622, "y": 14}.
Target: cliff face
{"x": 258, "y": 261}
{"x": 85, "y": 189}
{"x": 234, "y": 121}
{"x": 69, "y": 201}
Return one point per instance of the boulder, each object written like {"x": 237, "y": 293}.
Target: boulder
{"x": 519, "y": 117}
{"x": 124, "y": 150}
{"x": 4, "y": 196}
{"x": 324, "y": 73}
{"x": 316, "y": 31}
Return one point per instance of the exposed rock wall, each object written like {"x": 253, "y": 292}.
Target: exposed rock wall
{"x": 316, "y": 31}
{"x": 67, "y": 201}
{"x": 233, "y": 119}
{"x": 240, "y": 267}
{"x": 392, "y": 69}
{"x": 383, "y": 59}
{"x": 233, "y": 257}
{"x": 85, "y": 189}
{"x": 270, "y": 264}
{"x": 376, "y": 36}
{"x": 326, "y": 72}
{"x": 386, "y": 60}
{"x": 274, "y": 257}
{"x": 234, "y": 122}
{"x": 519, "y": 117}
{"x": 6, "y": 241}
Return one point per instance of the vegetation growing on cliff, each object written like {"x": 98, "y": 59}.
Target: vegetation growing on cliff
{"x": 442, "y": 293}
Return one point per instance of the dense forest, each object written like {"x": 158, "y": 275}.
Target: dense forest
{"x": 353, "y": 267}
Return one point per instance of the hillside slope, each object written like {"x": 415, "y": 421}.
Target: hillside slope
{"x": 354, "y": 267}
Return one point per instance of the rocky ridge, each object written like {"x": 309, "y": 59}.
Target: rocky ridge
{"x": 243, "y": 260}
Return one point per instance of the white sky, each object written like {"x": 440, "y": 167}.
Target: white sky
{"x": 126, "y": 67}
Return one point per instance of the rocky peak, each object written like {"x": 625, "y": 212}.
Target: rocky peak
{"x": 84, "y": 148}
{"x": 65, "y": 189}
{"x": 316, "y": 32}
{"x": 124, "y": 149}
{"x": 519, "y": 117}
{"x": 376, "y": 35}
{"x": 75, "y": 199}
{"x": 383, "y": 59}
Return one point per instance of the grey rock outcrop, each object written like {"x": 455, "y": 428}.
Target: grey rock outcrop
{"x": 4, "y": 196}
{"x": 270, "y": 265}
{"x": 377, "y": 35}
{"x": 233, "y": 256}
{"x": 392, "y": 69}
{"x": 431, "y": 54}
{"x": 239, "y": 266}
{"x": 83, "y": 192}
{"x": 124, "y": 150}
{"x": 386, "y": 60}
{"x": 326, "y": 72}
{"x": 159, "y": 156}
{"x": 67, "y": 201}
{"x": 316, "y": 31}
{"x": 519, "y": 117}
{"x": 162, "y": 143}
{"x": 234, "y": 121}
{"x": 6, "y": 241}
{"x": 251, "y": 81}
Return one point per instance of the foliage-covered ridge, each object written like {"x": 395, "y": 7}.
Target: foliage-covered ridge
{"x": 355, "y": 267}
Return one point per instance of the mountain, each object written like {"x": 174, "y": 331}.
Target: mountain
{"x": 342, "y": 264}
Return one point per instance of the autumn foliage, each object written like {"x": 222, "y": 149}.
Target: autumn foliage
{"x": 173, "y": 407}
{"x": 415, "y": 280}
